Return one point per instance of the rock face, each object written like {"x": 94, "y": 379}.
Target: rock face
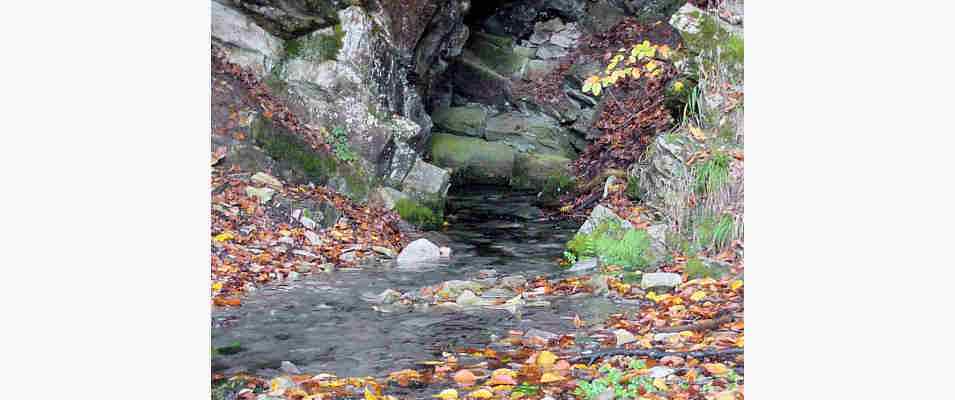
{"x": 473, "y": 160}
{"x": 512, "y": 47}
{"x": 664, "y": 180}
{"x": 246, "y": 43}
{"x": 359, "y": 73}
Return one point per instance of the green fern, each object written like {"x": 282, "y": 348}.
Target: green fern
{"x": 612, "y": 244}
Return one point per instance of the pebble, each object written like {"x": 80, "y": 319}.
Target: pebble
{"x": 624, "y": 336}
{"x": 661, "y": 372}
{"x": 541, "y": 334}
{"x": 660, "y": 280}
{"x": 290, "y": 368}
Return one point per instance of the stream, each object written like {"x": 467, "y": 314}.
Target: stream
{"x": 323, "y": 323}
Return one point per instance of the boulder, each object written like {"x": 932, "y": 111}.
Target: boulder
{"x": 496, "y": 52}
{"x": 427, "y": 184}
{"x": 386, "y": 197}
{"x": 291, "y": 18}
{"x": 532, "y": 170}
{"x": 480, "y": 82}
{"x": 244, "y": 41}
{"x": 466, "y": 120}
{"x": 598, "y": 215}
{"x": 418, "y": 252}
{"x": 473, "y": 160}
{"x": 529, "y": 132}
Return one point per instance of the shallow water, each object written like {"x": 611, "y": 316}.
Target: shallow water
{"x": 322, "y": 324}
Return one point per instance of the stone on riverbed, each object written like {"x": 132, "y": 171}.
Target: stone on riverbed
{"x": 660, "y": 280}
{"x": 624, "y": 336}
{"x": 290, "y": 368}
{"x": 467, "y": 298}
{"x": 419, "y": 251}
{"x": 586, "y": 264}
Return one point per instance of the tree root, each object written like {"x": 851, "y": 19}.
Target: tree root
{"x": 658, "y": 353}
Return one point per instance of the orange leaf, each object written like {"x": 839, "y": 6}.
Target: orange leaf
{"x": 465, "y": 378}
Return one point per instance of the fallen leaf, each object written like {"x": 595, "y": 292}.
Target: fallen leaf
{"x": 697, "y": 133}
{"x": 481, "y": 394}
{"x": 736, "y": 284}
{"x": 465, "y": 378}
{"x": 698, "y": 295}
{"x": 447, "y": 394}
{"x": 546, "y": 359}
{"x": 502, "y": 379}
{"x": 716, "y": 368}
{"x": 227, "y": 235}
{"x": 369, "y": 395}
{"x": 549, "y": 377}
{"x": 659, "y": 383}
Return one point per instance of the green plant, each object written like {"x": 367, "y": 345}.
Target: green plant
{"x": 339, "y": 142}
{"x": 627, "y": 251}
{"x": 633, "y": 188}
{"x": 557, "y": 184}
{"x": 229, "y": 349}
{"x": 612, "y": 244}
{"x": 627, "y": 64}
{"x": 417, "y": 214}
{"x": 712, "y": 174}
{"x": 228, "y": 388}
{"x": 610, "y": 380}
{"x": 714, "y": 232}
{"x": 526, "y": 389}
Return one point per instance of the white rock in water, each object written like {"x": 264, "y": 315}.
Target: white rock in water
{"x": 418, "y": 251}
{"x": 445, "y": 251}
{"x": 586, "y": 264}
{"x": 624, "y": 336}
{"x": 661, "y": 372}
{"x": 467, "y": 298}
{"x": 290, "y": 368}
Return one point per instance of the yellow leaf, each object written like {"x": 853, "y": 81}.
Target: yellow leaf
{"x": 481, "y": 394}
{"x": 698, "y": 295}
{"x": 447, "y": 394}
{"x": 652, "y": 65}
{"x": 716, "y": 368}
{"x": 739, "y": 341}
{"x": 736, "y": 284}
{"x": 217, "y": 286}
{"x": 504, "y": 371}
{"x": 659, "y": 383}
{"x": 678, "y": 86}
{"x": 549, "y": 377}
{"x": 546, "y": 359}
{"x": 369, "y": 395}
{"x": 697, "y": 133}
{"x": 227, "y": 235}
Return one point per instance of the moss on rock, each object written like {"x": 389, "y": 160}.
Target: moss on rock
{"x": 473, "y": 160}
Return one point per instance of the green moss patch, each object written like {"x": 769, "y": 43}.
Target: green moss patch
{"x": 418, "y": 215}
{"x": 316, "y": 46}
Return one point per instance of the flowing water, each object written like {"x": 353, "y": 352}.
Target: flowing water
{"x": 322, "y": 324}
